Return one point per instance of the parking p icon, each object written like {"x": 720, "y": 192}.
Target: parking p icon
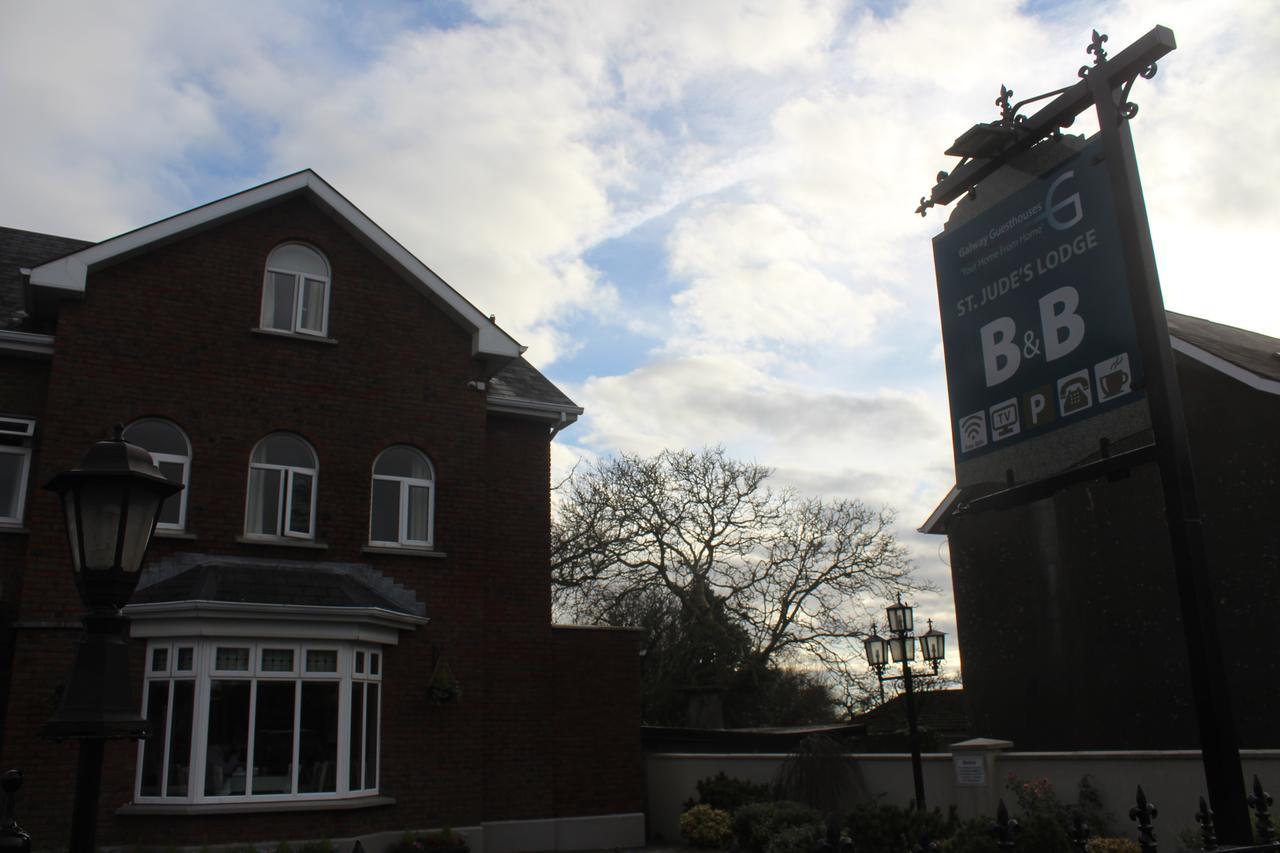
{"x": 1038, "y": 406}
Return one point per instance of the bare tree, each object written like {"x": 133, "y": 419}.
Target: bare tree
{"x": 782, "y": 579}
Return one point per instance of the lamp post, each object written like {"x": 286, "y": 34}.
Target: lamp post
{"x": 901, "y": 647}
{"x": 110, "y": 502}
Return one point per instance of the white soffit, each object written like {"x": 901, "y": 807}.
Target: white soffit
{"x": 68, "y": 274}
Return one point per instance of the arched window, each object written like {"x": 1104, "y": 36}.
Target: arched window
{"x": 402, "y": 507}
{"x": 295, "y": 294}
{"x": 282, "y": 488}
{"x": 168, "y": 445}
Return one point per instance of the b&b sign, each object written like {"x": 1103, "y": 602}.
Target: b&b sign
{"x": 1036, "y": 324}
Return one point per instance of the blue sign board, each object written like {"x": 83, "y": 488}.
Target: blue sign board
{"x": 1036, "y": 323}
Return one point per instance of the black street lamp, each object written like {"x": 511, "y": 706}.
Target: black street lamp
{"x": 901, "y": 647}
{"x": 111, "y": 501}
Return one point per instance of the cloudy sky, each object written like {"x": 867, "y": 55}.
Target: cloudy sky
{"x": 696, "y": 213}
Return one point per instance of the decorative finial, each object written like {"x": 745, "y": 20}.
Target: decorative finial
{"x": 1099, "y": 54}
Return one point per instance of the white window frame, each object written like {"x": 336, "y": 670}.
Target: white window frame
{"x": 16, "y": 433}
{"x": 204, "y": 674}
{"x": 406, "y": 484}
{"x": 184, "y": 461}
{"x": 300, "y": 282}
{"x": 284, "y": 502}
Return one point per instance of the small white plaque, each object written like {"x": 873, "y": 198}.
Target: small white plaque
{"x": 971, "y": 771}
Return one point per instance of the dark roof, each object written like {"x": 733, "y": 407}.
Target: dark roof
{"x": 520, "y": 380}
{"x": 940, "y": 711}
{"x": 27, "y": 249}
{"x": 264, "y": 582}
{"x": 1256, "y": 353}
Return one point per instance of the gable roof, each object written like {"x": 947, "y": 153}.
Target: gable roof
{"x": 68, "y": 274}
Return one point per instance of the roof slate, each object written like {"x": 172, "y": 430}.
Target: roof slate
{"x": 263, "y": 582}
{"x": 1256, "y": 353}
{"x": 27, "y": 249}
{"x": 520, "y": 380}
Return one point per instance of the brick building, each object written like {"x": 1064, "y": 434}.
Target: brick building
{"x": 343, "y": 627}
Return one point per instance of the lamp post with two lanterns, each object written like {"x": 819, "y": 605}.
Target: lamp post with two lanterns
{"x": 901, "y": 647}
{"x": 111, "y": 501}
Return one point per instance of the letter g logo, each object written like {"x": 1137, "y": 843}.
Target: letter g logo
{"x": 1071, "y": 203}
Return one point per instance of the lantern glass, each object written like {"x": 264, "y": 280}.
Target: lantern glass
{"x": 933, "y": 645}
{"x": 899, "y": 617}
{"x": 902, "y": 649}
{"x": 107, "y": 544}
{"x": 877, "y": 650}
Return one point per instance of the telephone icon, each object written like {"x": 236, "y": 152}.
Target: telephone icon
{"x": 1075, "y": 393}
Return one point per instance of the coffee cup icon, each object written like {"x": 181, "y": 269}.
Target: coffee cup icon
{"x": 1114, "y": 383}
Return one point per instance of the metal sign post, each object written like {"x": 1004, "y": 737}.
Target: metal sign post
{"x": 1106, "y": 86}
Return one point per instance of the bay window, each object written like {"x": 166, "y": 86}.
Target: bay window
{"x": 259, "y": 721}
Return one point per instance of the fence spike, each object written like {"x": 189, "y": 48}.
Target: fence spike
{"x": 1005, "y": 828}
{"x": 1258, "y": 801}
{"x": 1208, "y": 836}
{"x": 1079, "y": 832}
{"x": 1144, "y": 813}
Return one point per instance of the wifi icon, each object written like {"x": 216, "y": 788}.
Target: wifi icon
{"x": 973, "y": 431}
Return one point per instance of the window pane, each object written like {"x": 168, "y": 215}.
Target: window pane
{"x": 264, "y": 501}
{"x": 312, "y": 308}
{"x": 231, "y": 658}
{"x": 300, "y": 503}
{"x": 384, "y": 521}
{"x": 356, "y": 761}
{"x": 419, "y": 513}
{"x": 228, "y": 742}
{"x": 277, "y": 660}
{"x": 403, "y": 462}
{"x": 157, "y": 437}
{"x": 280, "y": 296}
{"x": 359, "y": 661}
{"x": 169, "y": 510}
{"x": 159, "y": 660}
{"x": 322, "y": 660}
{"x": 184, "y": 659}
{"x": 318, "y": 741}
{"x": 284, "y": 449}
{"x": 373, "y": 663}
{"x": 297, "y": 258}
{"x": 184, "y": 693}
{"x": 371, "y": 738}
{"x": 11, "y": 465}
{"x": 273, "y": 738}
{"x": 156, "y": 712}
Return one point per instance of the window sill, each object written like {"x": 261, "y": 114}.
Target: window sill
{"x": 6, "y": 527}
{"x": 294, "y": 336}
{"x": 174, "y": 534}
{"x": 282, "y": 542}
{"x": 404, "y": 551}
{"x": 316, "y": 805}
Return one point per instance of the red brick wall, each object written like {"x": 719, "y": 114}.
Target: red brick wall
{"x": 599, "y": 765}
{"x": 168, "y": 334}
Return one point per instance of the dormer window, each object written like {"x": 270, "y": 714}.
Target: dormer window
{"x": 295, "y": 294}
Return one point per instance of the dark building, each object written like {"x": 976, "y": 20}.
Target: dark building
{"x": 344, "y": 624}
{"x": 1067, "y": 611}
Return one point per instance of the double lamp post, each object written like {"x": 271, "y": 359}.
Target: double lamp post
{"x": 901, "y": 647}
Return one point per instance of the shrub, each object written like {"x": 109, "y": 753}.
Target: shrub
{"x": 971, "y": 836}
{"x": 704, "y": 826}
{"x": 1112, "y": 845}
{"x": 802, "y": 838}
{"x": 879, "y": 826}
{"x": 755, "y": 824}
{"x": 723, "y": 792}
